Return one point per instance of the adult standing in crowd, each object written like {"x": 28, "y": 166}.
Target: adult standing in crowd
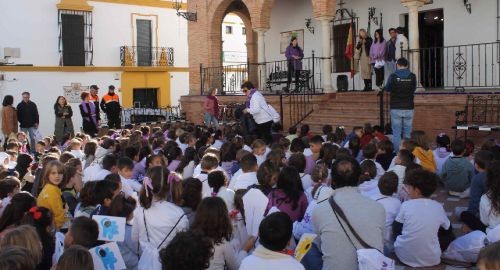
{"x": 401, "y": 44}
{"x": 89, "y": 110}
{"x": 363, "y": 55}
{"x": 211, "y": 107}
{"x": 256, "y": 105}
{"x": 390, "y": 53}
{"x": 64, "y": 124}
{"x": 366, "y": 216}
{"x": 377, "y": 56}
{"x": 94, "y": 97}
{"x": 402, "y": 85}
{"x": 294, "y": 55}
{"x": 110, "y": 104}
{"x": 9, "y": 118}
{"x": 27, "y": 115}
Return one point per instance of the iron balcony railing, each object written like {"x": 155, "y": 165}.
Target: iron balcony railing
{"x": 146, "y": 56}
{"x": 457, "y": 67}
{"x": 269, "y": 76}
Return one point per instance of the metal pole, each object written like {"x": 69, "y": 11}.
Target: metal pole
{"x": 201, "y": 79}
{"x": 313, "y": 74}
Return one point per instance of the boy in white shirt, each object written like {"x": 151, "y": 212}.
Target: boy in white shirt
{"x": 249, "y": 168}
{"x": 419, "y": 221}
{"x": 130, "y": 187}
{"x": 260, "y": 151}
{"x": 388, "y": 186}
{"x": 298, "y": 161}
{"x": 275, "y": 232}
{"x": 403, "y": 159}
{"x": 208, "y": 163}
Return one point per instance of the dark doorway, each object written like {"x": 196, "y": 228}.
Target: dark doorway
{"x": 431, "y": 35}
{"x": 145, "y": 97}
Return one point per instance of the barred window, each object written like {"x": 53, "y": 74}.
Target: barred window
{"x": 75, "y": 38}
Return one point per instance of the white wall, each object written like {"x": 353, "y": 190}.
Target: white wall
{"x": 45, "y": 87}
{"x": 36, "y": 31}
{"x": 234, "y": 45}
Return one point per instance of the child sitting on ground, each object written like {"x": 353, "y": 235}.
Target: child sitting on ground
{"x": 370, "y": 153}
{"x": 249, "y": 168}
{"x": 275, "y": 231}
{"x": 442, "y": 151}
{"x": 457, "y": 171}
{"x": 298, "y": 161}
{"x": 259, "y": 150}
{"x": 388, "y": 186}
{"x": 368, "y": 183}
{"x": 218, "y": 184}
{"x": 417, "y": 243}
{"x": 422, "y": 151}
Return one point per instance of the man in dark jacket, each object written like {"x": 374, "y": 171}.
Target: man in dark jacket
{"x": 27, "y": 115}
{"x": 110, "y": 104}
{"x": 401, "y": 85}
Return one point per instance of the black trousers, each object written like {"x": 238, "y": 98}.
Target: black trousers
{"x": 114, "y": 122}
{"x": 296, "y": 73}
{"x": 264, "y": 132}
{"x": 379, "y": 76}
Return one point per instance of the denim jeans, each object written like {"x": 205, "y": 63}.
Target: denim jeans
{"x": 210, "y": 120}
{"x": 390, "y": 67}
{"x": 30, "y": 133}
{"x": 401, "y": 123}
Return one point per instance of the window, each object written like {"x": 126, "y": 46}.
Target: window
{"x": 243, "y": 31}
{"x": 229, "y": 30}
{"x": 340, "y": 36}
{"x": 75, "y": 38}
{"x": 144, "y": 41}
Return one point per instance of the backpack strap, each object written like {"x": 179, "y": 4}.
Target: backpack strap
{"x": 339, "y": 212}
{"x": 145, "y": 225}
{"x": 165, "y": 239}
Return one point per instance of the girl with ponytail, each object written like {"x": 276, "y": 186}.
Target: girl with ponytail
{"x": 159, "y": 217}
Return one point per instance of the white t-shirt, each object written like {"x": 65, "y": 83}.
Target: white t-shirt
{"x": 391, "y": 206}
{"x": 130, "y": 187}
{"x": 418, "y": 245}
{"x": 228, "y": 196}
{"x": 206, "y": 191}
{"x": 306, "y": 180}
{"x": 217, "y": 144}
{"x": 270, "y": 261}
{"x": 380, "y": 169}
{"x": 243, "y": 181}
{"x": 488, "y": 217}
{"x": 94, "y": 172}
{"x": 369, "y": 188}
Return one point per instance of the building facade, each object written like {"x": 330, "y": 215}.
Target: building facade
{"x": 61, "y": 47}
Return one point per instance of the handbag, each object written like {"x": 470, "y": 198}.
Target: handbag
{"x": 369, "y": 258}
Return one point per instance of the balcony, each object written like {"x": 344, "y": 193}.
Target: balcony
{"x": 133, "y": 56}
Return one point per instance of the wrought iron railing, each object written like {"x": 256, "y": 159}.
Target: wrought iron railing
{"x": 151, "y": 115}
{"x": 146, "y": 56}
{"x": 269, "y": 76}
{"x": 457, "y": 67}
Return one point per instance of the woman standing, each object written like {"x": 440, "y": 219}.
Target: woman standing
{"x": 363, "y": 55}
{"x": 64, "y": 124}
{"x": 88, "y": 111}
{"x": 256, "y": 105}
{"x": 211, "y": 106}
{"x": 377, "y": 56}
{"x": 294, "y": 55}
{"x": 9, "y": 118}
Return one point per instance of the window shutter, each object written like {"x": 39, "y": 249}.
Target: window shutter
{"x": 144, "y": 41}
{"x": 73, "y": 40}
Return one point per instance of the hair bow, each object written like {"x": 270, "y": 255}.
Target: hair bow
{"x": 35, "y": 212}
{"x": 442, "y": 134}
{"x": 148, "y": 184}
{"x": 173, "y": 177}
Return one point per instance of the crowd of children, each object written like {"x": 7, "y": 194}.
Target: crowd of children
{"x": 198, "y": 198}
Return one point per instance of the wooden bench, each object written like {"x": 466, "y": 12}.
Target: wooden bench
{"x": 481, "y": 113}
{"x": 278, "y": 77}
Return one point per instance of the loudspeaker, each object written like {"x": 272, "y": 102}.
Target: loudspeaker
{"x": 342, "y": 83}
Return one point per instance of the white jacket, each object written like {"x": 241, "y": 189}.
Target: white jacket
{"x": 259, "y": 109}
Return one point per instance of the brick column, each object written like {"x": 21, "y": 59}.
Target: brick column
{"x": 261, "y": 56}
{"x": 326, "y": 72}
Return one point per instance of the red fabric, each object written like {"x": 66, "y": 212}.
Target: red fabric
{"x": 366, "y": 139}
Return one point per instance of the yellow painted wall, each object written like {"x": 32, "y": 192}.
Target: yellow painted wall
{"x": 136, "y": 79}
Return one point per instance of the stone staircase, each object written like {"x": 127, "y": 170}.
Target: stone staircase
{"x": 345, "y": 109}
